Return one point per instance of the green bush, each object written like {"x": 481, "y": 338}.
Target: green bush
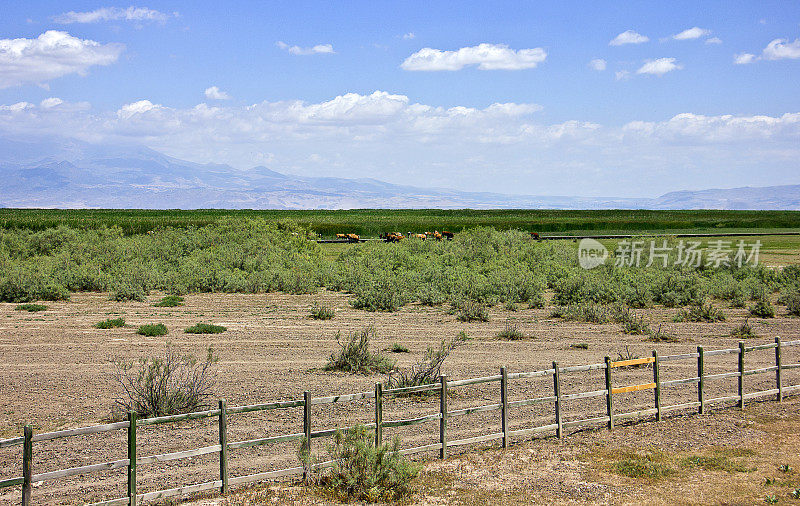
{"x": 762, "y": 308}
{"x": 152, "y": 330}
{"x": 510, "y": 332}
{"x": 110, "y": 323}
{"x": 660, "y": 336}
{"x": 792, "y": 302}
{"x": 170, "y": 301}
{"x": 361, "y": 470}
{"x": 168, "y": 385}
{"x": 471, "y": 311}
{"x": 700, "y": 313}
{"x": 428, "y": 370}
{"x": 205, "y": 328}
{"x": 590, "y": 313}
{"x": 355, "y": 357}
{"x": 398, "y": 348}
{"x": 127, "y": 291}
{"x": 635, "y": 325}
{"x": 744, "y": 330}
{"x": 381, "y": 295}
{"x": 322, "y": 312}
{"x": 31, "y": 308}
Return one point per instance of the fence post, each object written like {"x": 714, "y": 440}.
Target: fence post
{"x": 223, "y": 445}
{"x": 657, "y": 381}
{"x": 609, "y": 403}
{"x": 132, "y": 417}
{"x": 701, "y": 374}
{"x": 307, "y": 432}
{"x": 504, "y": 404}
{"x": 443, "y": 419}
{"x": 27, "y": 465}
{"x": 378, "y": 414}
{"x": 557, "y": 391}
{"x": 778, "y": 365}
{"x": 741, "y": 374}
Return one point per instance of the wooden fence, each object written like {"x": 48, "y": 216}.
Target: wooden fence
{"x": 608, "y": 391}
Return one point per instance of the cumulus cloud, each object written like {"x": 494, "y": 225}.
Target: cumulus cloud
{"x": 744, "y": 58}
{"x": 112, "y": 14}
{"x": 51, "y": 102}
{"x": 53, "y": 54}
{"x": 628, "y": 37}
{"x": 598, "y": 64}
{"x": 780, "y": 49}
{"x": 501, "y": 147}
{"x": 214, "y": 93}
{"x": 692, "y": 33}
{"x": 659, "y": 67}
{"x": 304, "y": 51}
{"x": 713, "y": 40}
{"x": 622, "y": 75}
{"x": 485, "y": 56}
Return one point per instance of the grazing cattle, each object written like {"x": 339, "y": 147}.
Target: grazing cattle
{"x": 448, "y": 235}
{"x": 437, "y": 235}
{"x": 391, "y": 236}
{"x": 353, "y": 238}
{"x": 535, "y": 235}
{"x": 341, "y": 236}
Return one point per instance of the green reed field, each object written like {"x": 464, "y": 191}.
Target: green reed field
{"x": 371, "y": 222}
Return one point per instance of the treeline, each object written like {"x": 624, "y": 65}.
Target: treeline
{"x": 481, "y": 266}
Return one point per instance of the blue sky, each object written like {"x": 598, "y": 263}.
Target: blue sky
{"x": 498, "y": 96}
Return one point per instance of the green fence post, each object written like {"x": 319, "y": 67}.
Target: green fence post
{"x": 223, "y": 445}
{"x": 378, "y": 414}
{"x": 609, "y": 402}
{"x": 443, "y": 419}
{"x": 132, "y": 417}
{"x": 27, "y": 465}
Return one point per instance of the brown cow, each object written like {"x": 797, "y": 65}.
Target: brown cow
{"x": 535, "y": 235}
{"x": 353, "y": 238}
{"x": 448, "y": 235}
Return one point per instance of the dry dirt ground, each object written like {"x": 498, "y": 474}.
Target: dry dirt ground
{"x": 724, "y": 457}
{"x": 55, "y": 373}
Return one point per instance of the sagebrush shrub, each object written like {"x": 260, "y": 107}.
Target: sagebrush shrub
{"x": 354, "y": 355}
{"x": 429, "y": 368}
{"x": 205, "y": 328}
{"x": 322, "y": 312}
{"x": 511, "y": 332}
{"x": 31, "y": 308}
{"x": 110, "y": 323}
{"x": 129, "y": 291}
{"x": 152, "y": 330}
{"x": 700, "y": 313}
{"x": 472, "y": 311}
{"x": 168, "y": 385}
{"x": 762, "y": 308}
{"x": 363, "y": 471}
{"x": 170, "y": 301}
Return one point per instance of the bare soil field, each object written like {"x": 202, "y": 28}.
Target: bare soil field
{"x": 55, "y": 373}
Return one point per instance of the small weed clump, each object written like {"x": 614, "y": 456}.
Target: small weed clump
{"x": 472, "y": 311}
{"x": 110, "y": 323}
{"x": 762, "y": 308}
{"x": 170, "y": 301}
{"x": 427, "y": 370}
{"x": 363, "y": 471}
{"x": 590, "y": 313}
{"x": 704, "y": 312}
{"x": 205, "y": 328}
{"x": 635, "y": 326}
{"x": 744, "y": 330}
{"x": 168, "y": 385}
{"x": 579, "y": 346}
{"x": 660, "y": 336}
{"x": 643, "y": 466}
{"x": 31, "y": 308}
{"x": 322, "y": 312}
{"x": 152, "y": 330}
{"x": 398, "y": 348}
{"x": 355, "y": 357}
{"x": 511, "y": 332}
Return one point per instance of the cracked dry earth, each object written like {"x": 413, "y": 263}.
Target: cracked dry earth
{"x": 581, "y": 468}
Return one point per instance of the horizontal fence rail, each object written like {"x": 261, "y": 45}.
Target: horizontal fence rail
{"x": 611, "y": 370}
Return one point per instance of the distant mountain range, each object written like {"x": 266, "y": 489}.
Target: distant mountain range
{"x": 76, "y": 175}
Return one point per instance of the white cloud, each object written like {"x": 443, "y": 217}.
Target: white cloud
{"x": 50, "y": 102}
{"x": 779, "y": 49}
{"x": 692, "y": 33}
{"x": 622, "y": 75}
{"x": 713, "y": 40}
{"x": 112, "y": 14}
{"x": 214, "y": 93}
{"x": 303, "y": 51}
{"x": 409, "y": 36}
{"x": 501, "y": 147}
{"x": 53, "y": 54}
{"x": 485, "y": 56}
{"x": 628, "y": 37}
{"x": 744, "y": 58}
{"x": 659, "y": 67}
{"x": 598, "y": 64}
